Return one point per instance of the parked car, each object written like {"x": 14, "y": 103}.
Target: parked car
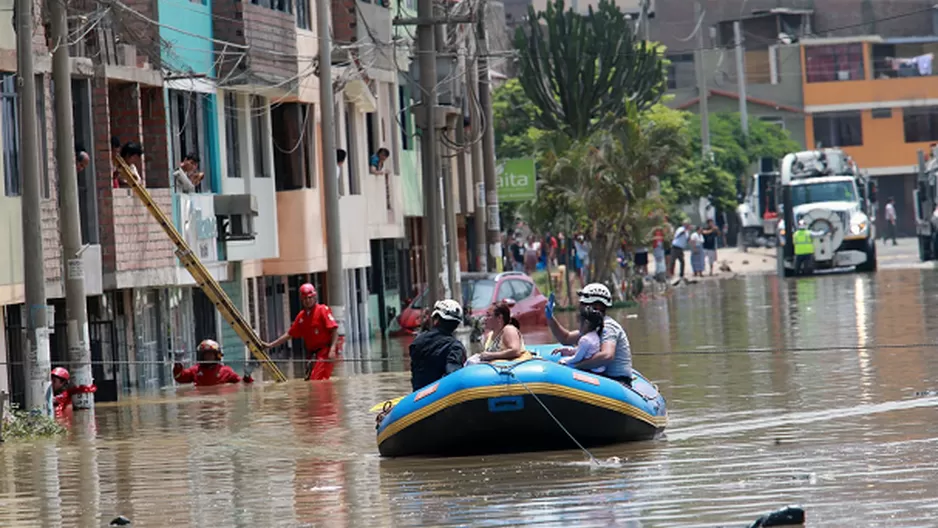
{"x": 479, "y": 291}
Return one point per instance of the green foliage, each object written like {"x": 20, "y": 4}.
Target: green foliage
{"x": 25, "y": 425}
{"x": 514, "y": 116}
{"x": 582, "y": 71}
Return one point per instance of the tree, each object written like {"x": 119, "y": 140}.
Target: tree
{"x": 582, "y": 72}
{"x": 514, "y": 116}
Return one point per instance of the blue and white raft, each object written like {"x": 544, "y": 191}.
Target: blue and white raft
{"x": 503, "y": 407}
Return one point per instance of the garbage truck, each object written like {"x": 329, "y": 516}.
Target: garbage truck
{"x": 825, "y": 189}
{"x": 758, "y": 212}
{"x": 926, "y": 205}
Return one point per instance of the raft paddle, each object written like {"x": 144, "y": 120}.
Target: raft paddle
{"x": 379, "y": 406}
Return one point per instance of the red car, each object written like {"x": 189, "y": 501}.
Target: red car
{"x": 479, "y": 291}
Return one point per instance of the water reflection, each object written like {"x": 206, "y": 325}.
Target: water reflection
{"x": 758, "y": 420}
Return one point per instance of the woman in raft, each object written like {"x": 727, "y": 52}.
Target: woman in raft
{"x": 503, "y": 340}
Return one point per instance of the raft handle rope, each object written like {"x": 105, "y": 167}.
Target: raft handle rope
{"x": 508, "y": 371}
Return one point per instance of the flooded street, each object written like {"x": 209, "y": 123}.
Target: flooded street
{"x": 778, "y": 391}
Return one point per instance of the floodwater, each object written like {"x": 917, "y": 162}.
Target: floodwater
{"x": 779, "y": 392}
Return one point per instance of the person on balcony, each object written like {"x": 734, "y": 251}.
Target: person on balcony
{"x": 186, "y": 177}
{"x": 376, "y": 165}
{"x": 132, "y": 154}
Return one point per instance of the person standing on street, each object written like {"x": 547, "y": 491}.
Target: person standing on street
{"x": 710, "y": 234}
{"x": 319, "y": 331}
{"x": 678, "y": 245}
{"x": 891, "y": 227}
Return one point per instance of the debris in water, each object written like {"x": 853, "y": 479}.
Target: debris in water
{"x": 787, "y": 516}
{"x": 745, "y": 263}
{"x": 120, "y": 521}
{"x": 926, "y": 394}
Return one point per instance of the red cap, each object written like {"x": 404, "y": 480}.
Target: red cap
{"x": 307, "y": 290}
{"x": 60, "y": 372}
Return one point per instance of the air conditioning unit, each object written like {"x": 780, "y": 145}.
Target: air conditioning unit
{"x": 843, "y": 75}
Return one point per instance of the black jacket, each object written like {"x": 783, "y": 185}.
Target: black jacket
{"x": 434, "y": 354}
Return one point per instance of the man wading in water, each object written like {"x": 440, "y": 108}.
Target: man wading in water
{"x": 319, "y": 331}
{"x": 614, "y": 352}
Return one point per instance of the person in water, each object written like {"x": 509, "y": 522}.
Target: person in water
{"x": 209, "y": 370}
{"x": 436, "y": 352}
{"x": 320, "y": 332}
{"x": 503, "y": 340}
{"x": 591, "y": 329}
{"x": 614, "y": 352}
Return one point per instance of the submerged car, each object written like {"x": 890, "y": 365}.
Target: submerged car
{"x": 479, "y": 291}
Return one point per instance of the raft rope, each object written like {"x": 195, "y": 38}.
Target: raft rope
{"x": 509, "y": 372}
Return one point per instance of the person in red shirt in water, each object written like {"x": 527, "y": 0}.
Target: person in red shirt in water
{"x": 62, "y": 392}
{"x": 209, "y": 370}
{"x": 319, "y": 331}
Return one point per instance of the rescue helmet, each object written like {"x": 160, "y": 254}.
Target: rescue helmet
{"x": 448, "y": 310}
{"x": 307, "y": 290}
{"x": 210, "y": 345}
{"x": 61, "y": 373}
{"x": 595, "y": 293}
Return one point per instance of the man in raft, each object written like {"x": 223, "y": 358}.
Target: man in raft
{"x": 319, "y": 330}
{"x": 615, "y": 353}
{"x": 209, "y": 370}
{"x": 437, "y": 352}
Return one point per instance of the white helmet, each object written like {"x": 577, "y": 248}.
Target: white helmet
{"x": 594, "y": 293}
{"x": 448, "y": 310}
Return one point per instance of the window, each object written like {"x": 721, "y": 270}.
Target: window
{"x": 187, "y": 122}
{"x": 882, "y": 113}
{"x": 308, "y": 113}
{"x": 390, "y": 267}
{"x": 680, "y": 71}
{"x": 9, "y": 129}
{"x": 831, "y": 191}
{"x": 258, "y": 133}
{"x": 773, "y": 120}
{"x": 351, "y": 135}
{"x": 842, "y": 62}
{"x": 284, "y": 6}
{"x": 371, "y": 132}
{"x": 523, "y": 289}
{"x": 478, "y": 293}
{"x": 232, "y": 130}
{"x": 43, "y": 131}
{"x": 303, "y": 18}
{"x": 404, "y": 118}
{"x": 838, "y": 129}
{"x": 920, "y": 124}
{"x": 505, "y": 291}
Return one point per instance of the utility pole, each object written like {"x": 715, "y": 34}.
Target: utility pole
{"x": 478, "y": 181}
{"x": 38, "y": 391}
{"x": 335, "y": 276}
{"x": 76, "y": 307}
{"x": 494, "y": 233}
{"x": 702, "y": 84}
{"x": 449, "y": 220}
{"x": 426, "y": 55}
{"x": 741, "y": 77}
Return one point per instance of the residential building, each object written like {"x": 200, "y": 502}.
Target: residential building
{"x": 876, "y": 98}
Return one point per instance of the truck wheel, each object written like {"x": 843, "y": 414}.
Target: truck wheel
{"x": 870, "y": 264}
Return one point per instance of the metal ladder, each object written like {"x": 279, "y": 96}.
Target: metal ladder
{"x": 202, "y": 277}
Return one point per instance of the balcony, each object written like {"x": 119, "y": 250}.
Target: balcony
{"x": 195, "y": 218}
{"x": 268, "y": 28}
{"x": 866, "y": 75}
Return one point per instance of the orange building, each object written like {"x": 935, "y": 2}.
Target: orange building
{"x": 878, "y": 100}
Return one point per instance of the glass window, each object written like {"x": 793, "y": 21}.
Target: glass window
{"x": 477, "y": 294}
{"x": 10, "y": 131}
{"x": 838, "y": 129}
{"x": 303, "y": 19}
{"x": 920, "y": 124}
{"x": 232, "y": 131}
{"x": 523, "y": 289}
{"x": 258, "y": 133}
{"x": 836, "y": 191}
{"x": 841, "y": 62}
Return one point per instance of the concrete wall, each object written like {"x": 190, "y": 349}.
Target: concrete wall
{"x": 187, "y": 51}
{"x": 265, "y": 244}
{"x": 307, "y": 48}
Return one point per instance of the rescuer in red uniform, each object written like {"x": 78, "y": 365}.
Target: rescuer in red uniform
{"x": 319, "y": 331}
{"x": 209, "y": 370}
{"x": 62, "y": 398}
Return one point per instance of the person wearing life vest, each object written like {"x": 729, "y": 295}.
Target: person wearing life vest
{"x": 62, "y": 392}
{"x": 804, "y": 248}
{"x": 319, "y": 331}
{"x": 209, "y": 370}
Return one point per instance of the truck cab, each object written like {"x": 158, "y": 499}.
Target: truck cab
{"x": 758, "y": 211}
{"x": 926, "y": 206}
{"x": 827, "y": 191}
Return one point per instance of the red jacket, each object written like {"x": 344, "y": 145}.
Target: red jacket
{"x": 205, "y": 375}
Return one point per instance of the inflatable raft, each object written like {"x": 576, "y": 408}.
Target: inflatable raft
{"x": 494, "y": 408}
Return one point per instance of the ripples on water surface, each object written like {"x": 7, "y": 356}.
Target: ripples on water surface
{"x": 839, "y": 431}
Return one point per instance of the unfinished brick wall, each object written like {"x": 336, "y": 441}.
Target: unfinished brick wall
{"x": 139, "y": 242}
{"x": 101, "y": 122}
{"x": 272, "y": 37}
{"x": 51, "y": 246}
{"x": 125, "y": 117}
{"x": 344, "y": 21}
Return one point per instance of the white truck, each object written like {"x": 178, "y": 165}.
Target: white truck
{"x": 758, "y": 212}
{"x": 926, "y": 205}
{"x": 827, "y": 191}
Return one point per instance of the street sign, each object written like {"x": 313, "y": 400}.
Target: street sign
{"x": 516, "y": 180}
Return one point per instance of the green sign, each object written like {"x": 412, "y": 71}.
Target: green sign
{"x": 516, "y": 180}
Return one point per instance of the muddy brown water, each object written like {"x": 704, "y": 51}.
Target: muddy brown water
{"x": 840, "y": 431}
